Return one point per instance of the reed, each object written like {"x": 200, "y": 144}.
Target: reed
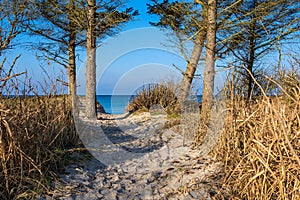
{"x": 35, "y": 134}
{"x": 260, "y": 145}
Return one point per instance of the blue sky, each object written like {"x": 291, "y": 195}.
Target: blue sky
{"x": 121, "y": 59}
{"x": 131, "y": 59}
{"x": 138, "y": 55}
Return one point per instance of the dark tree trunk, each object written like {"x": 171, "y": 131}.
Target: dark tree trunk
{"x": 72, "y": 75}
{"x": 72, "y": 62}
{"x": 250, "y": 74}
{"x": 250, "y": 61}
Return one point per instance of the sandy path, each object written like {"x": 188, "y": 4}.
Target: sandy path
{"x": 135, "y": 158}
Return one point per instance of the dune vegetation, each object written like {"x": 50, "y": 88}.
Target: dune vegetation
{"x": 163, "y": 94}
{"x": 35, "y": 135}
{"x": 259, "y": 145}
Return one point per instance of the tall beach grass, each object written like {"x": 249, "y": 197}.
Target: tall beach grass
{"x": 259, "y": 147}
{"x": 35, "y": 133}
{"x": 260, "y": 144}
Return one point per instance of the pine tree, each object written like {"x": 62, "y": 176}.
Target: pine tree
{"x": 255, "y": 29}
{"x": 187, "y": 20}
{"x": 65, "y": 25}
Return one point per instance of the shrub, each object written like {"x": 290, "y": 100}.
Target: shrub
{"x": 164, "y": 94}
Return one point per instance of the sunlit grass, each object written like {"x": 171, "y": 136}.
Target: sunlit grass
{"x": 35, "y": 132}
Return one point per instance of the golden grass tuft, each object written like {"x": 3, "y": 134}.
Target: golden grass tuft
{"x": 260, "y": 148}
{"x": 34, "y": 133}
{"x": 164, "y": 94}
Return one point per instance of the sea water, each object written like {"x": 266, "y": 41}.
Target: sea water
{"x": 117, "y": 104}
{"x": 114, "y": 104}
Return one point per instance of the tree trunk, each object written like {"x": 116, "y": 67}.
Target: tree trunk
{"x": 91, "y": 63}
{"x": 72, "y": 76}
{"x": 250, "y": 61}
{"x": 209, "y": 74}
{"x": 192, "y": 66}
{"x": 250, "y": 74}
{"x": 193, "y": 62}
{"x": 72, "y": 62}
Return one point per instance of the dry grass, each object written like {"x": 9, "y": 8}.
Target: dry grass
{"x": 260, "y": 147}
{"x": 34, "y": 134}
{"x": 163, "y": 94}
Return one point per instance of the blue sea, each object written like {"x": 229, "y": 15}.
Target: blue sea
{"x": 114, "y": 104}
{"x": 117, "y": 104}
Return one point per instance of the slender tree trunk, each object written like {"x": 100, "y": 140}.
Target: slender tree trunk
{"x": 193, "y": 62}
{"x": 209, "y": 74}
{"x": 72, "y": 62}
{"x": 72, "y": 75}
{"x": 252, "y": 44}
{"x": 250, "y": 68}
{"x": 192, "y": 66}
{"x": 91, "y": 63}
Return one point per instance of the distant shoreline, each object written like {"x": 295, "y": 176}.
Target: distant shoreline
{"x": 113, "y": 104}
